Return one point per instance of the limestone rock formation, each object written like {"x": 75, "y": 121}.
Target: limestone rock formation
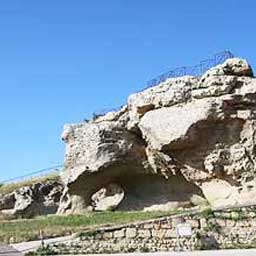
{"x": 29, "y": 201}
{"x": 108, "y": 198}
{"x": 184, "y": 142}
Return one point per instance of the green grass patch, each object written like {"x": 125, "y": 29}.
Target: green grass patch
{"x": 8, "y": 188}
{"x": 53, "y": 226}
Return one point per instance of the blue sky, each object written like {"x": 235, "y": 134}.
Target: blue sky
{"x": 62, "y": 60}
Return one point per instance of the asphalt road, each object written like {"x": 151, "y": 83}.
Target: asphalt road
{"x": 249, "y": 252}
{"x": 6, "y": 250}
{"x": 10, "y": 251}
{"x": 34, "y": 245}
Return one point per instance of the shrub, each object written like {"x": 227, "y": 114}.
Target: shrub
{"x": 42, "y": 251}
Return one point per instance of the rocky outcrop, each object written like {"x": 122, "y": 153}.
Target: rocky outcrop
{"x": 184, "y": 142}
{"x": 29, "y": 201}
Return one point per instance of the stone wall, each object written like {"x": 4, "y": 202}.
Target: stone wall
{"x": 210, "y": 230}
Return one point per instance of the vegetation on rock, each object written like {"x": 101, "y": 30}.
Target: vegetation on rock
{"x": 8, "y": 188}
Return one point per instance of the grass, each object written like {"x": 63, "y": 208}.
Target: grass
{"x": 8, "y": 188}
{"x": 53, "y": 226}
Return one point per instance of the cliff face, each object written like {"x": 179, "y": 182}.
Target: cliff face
{"x": 184, "y": 142}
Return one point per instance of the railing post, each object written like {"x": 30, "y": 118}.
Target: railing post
{"x": 42, "y": 238}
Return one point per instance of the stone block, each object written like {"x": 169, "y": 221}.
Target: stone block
{"x": 107, "y": 235}
{"x": 119, "y": 233}
{"x": 131, "y": 232}
{"x": 170, "y": 233}
{"x": 144, "y": 233}
{"x": 158, "y": 233}
{"x": 98, "y": 236}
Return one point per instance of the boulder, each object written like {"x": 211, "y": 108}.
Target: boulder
{"x": 108, "y": 198}
{"x": 160, "y": 127}
{"x": 231, "y": 67}
{"x": 169, "y": 93}
{"x": 172, "y": 146}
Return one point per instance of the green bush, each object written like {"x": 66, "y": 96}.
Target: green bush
{"x": 42, "y": 251}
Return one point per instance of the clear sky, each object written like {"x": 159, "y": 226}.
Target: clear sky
{"x": 62, "y": 60}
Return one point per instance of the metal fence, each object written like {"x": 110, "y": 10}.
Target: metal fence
{"x": 34, "y": 175}
{"x": 196, "y": 70}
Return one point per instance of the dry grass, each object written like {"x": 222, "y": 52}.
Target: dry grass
{"x": 8, "y": 188}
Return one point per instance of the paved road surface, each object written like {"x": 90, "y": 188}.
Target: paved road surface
{"x": 34, "y": 245}
{"x": 6, "y": 250}
{"x": 31, "y": 246}
{"x": 10, "y": 251}
{"x": 249, "y": 252}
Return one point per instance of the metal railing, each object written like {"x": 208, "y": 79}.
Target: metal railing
{"x": 196, "y": 70}
{"x": 34, "y": 175}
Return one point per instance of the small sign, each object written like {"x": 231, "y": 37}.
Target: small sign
{"x": 184, "y": 229}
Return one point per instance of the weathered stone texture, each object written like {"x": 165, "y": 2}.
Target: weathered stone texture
{"x": 187, "y": 141}
{"x": 29, "y": 201}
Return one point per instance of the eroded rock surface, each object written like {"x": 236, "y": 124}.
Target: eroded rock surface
{"x": 184, "y": 142}
{"x": 29, "y": 201}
